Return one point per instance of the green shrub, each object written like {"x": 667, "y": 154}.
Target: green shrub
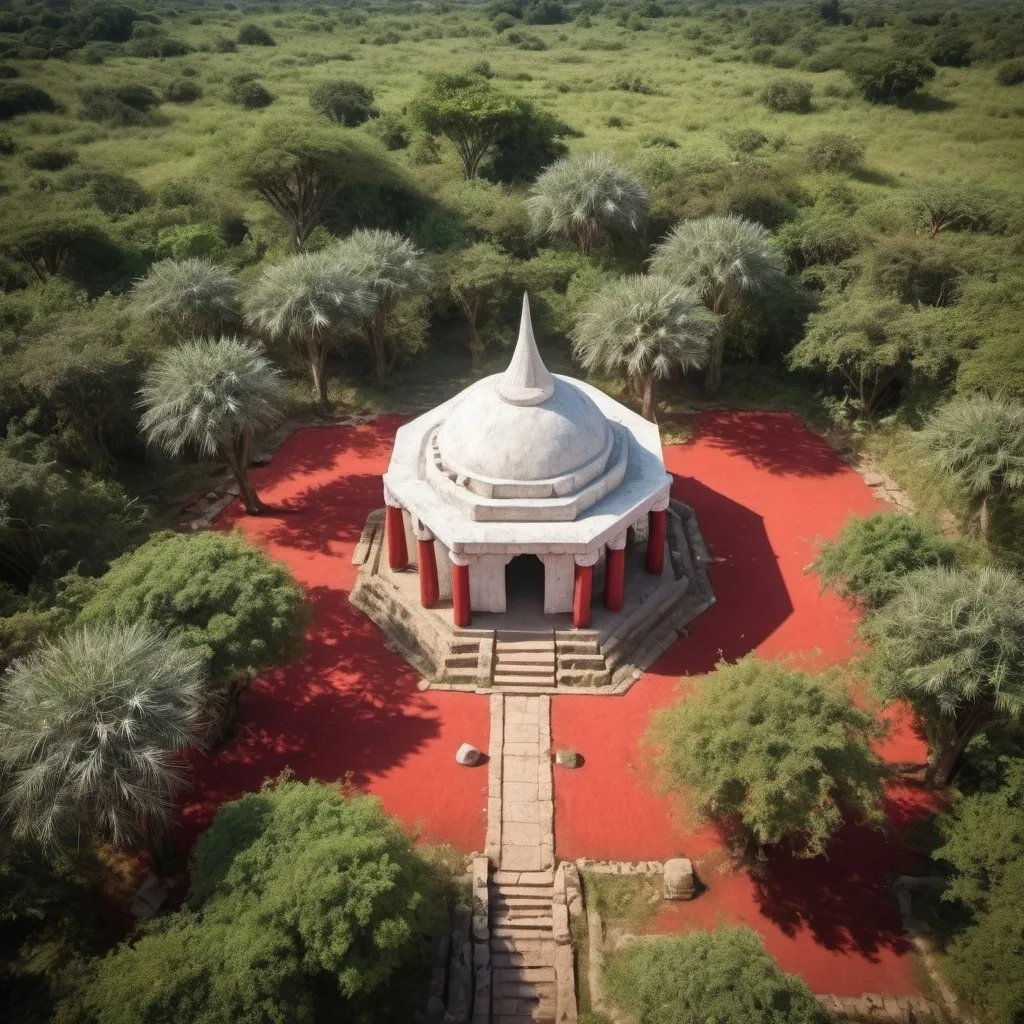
{"x": 785, "y": 57}
{"x": 951, "y": 49}
{"x": 871, "y": 556}
{"x": 347, "y": 102}
{"x": 253, "y": 35}
{"x": 392, "y": 131}
{"x": 632, "y": 81}
{"x": 1011, "y": 72}
{"x": 502, "y": 22}
{"x": 117, "y": 195}
{"x": 723, "y": 976}
{"x": 914, "y": 272}
{"x": 50, "y": 159}
{"x": 186, "y": 241}
{"x": 545, "y": 12}
{"x": 890, "y": 76}
{"x": 224, "y": 45}
{"x": 525, "y": 41}
{"x": 7, "y": 145}
{"x": 156, "y": 45}
{"x": 9, "y": 71}
{"x": 787, "y": 95}
{"x": 17, "y": 98}
{"x": 119, "y": 105}
{"x": 776, "y": 755}
{"x": 745, "y": 140}
{"x": 183, "y": 90}
{"x": 822, "y": 240}
{"x": 248, "y": 93}
{"x": 834, "y": 151}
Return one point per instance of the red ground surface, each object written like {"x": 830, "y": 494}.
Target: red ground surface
{"x": 765, "y": 489}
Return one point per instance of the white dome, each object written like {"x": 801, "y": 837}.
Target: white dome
{"x": 488, "y": 438}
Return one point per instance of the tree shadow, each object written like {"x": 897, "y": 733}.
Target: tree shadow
{"x": 777, "y": 442}
{"x": 926, "y": 103}
{"x": 326, "y": 513}
{"x": 751, "y": 596}
{"x": 873, "y": 176}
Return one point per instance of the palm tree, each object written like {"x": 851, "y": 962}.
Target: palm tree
{"x": 643, "y": 327}
{"x": 391, "y": 267}
{"x": 214, "y": 396}
{"x": 586, "y": 197}
{"x": 723, "y": 257}
{"x": 309, "y": 300}
{"x": 978, "y": 444}
{"x": 196, "y": 294}
{"x": 951, "y": 643}
{"x": 93, "y": 728}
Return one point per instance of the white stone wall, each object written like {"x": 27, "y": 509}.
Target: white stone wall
{"x": 444, "y": 571}
{"x": 487, "y": 582}
{"x": 559, "y": 574}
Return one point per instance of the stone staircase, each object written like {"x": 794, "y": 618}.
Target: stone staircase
{"x": 470, "y": 656}
{"x": 522, "y": 945}
{"x": 579, "y": 660}
{"x": 524, "y": 662}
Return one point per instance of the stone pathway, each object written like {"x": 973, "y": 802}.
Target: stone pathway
{"x": 520, "y": 843}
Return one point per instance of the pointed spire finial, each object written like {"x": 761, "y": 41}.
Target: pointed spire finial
{"x": 526, "y": 381}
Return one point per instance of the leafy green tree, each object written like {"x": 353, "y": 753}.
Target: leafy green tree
{"x": 890, "y": 76}
{"x": 723, "y": 976}
{"x": 218, "y": 593}
{"x": 121, "y": 106}
{"x": 859, "y": 341}
{"x": 253, "y": 35}
{"x": 18, "y": 98}
{"x": 344, "y": 101}
{"x": 391, "y": 268}
{"x": 470, "y": 113}
{"x": 834, "y": 151}
{"x": 954, "y": 204}
{"x": 951, "y": 644}
{"x": 872, "y": 555}
{"x": 197, "y": 295}
{"x": 724, "y": 258}
{"x": 951, "y": 48}
{"x": 93, "y": 729}
{"x": 302, "y": 169}
{"x": 781, "y": 756}
{"x": 1011, "y": 72}
{"x": 977, "y": 443}
{"x": 586, "y": 198}
{"x": 480, "y": 279}
{"x": 304, "y": 905}
{"x": 309, "y": 299}
{"x": 787, "y": 95}
{"x": 643, "y": 328}
{"x": 213, "y": 396}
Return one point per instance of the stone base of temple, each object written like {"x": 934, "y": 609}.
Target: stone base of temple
{"x": 526, "y": 651}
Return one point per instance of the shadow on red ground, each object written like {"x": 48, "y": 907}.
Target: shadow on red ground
{"x": 765, "y": 490}
{"x": 350, "y": 708}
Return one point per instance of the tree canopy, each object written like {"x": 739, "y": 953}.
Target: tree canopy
{"x": 778, "y": 755}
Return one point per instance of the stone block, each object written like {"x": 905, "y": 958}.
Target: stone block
{"x": 678, "y": 879}
{"x": 468, "y": 755}
{"x": 565, "y": 986}
{"x": 560, "y": 923}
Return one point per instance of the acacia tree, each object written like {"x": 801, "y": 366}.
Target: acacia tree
{"x": 390, "y": 268}
{"x": 977, "y": 443}
{"x": 300, "y": 169}
{"x": 304, "y": 905}
{"x": 723, "y": 257}
{"x": 213, "y": 396}
{"x": 197, "y": 295}
{"x": 781, "y": 756}
{"x": 480, "y": 279}
{"x": 310, "y": 300}
{"x": 92, "y": 732}
{"x": 643, "y": 328}
{"x": 587, "y": 197}
{"x": 220, "y": 594}
{"x": 470, "y": 113}
{"x": 951, "y": 643}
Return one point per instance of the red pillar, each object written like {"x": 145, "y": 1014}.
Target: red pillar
{"x": 614, "y": 578}
{"x": 461, "y": 606}
{"x": 394, "y": 525}
{"x": 429, "y": 589}
{"x": 656, "y": 532}
{"x": 582, "y": 584}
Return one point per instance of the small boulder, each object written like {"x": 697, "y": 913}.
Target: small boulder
{"x": 468, "y": 755}
{"x": 679, "y": 883}
{"x": 567, "y": 758}
{"x": 874, "y": 479}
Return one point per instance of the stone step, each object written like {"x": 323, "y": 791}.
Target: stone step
{"x": 522, "y": 961}
{"x": 595, "y": 662}
{"x": 511, "y": 667}
{"x": 509, "y": 922}
{"x": 578, "y": 647}
{"x": 532, "y": 975}
{"x": 502, "y": 877}
{"x": 464, "y": 647}
{"x": 540, "y": 951}
{"x": 465, "y": 632}
{"x": 534, "y": 893}
{"x": 546, "y": 1017}
{"x": 526, "y": 657}
{"x": 580, "y": 677}
{"x": 537, "y": 930}
{"x": 462, "y": 660}
{"x": 513, "y": 636}
{"x": 534, "y": 1008}
{"x": 525, "y": 647}
{"x": 518, "y": 679}
{"x": 539, "y": 993}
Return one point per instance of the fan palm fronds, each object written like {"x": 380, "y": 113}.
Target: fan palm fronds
{"x": 643, "y": 328}
{"x": 197, "y": 294}
{"x": 92, "y": 732}
{"x": 587, "y": 197}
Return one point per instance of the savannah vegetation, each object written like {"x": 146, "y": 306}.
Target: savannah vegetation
{"x": 215, "y": 216}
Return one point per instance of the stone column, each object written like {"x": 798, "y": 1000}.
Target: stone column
{"x": 615, "y": 573}
{"x": 394, "y": 528}
{"x": 462, "y": 607}
{"x": 581, "y": 591}
{"x": 657, "y": 531}
{"x": 429, "y": 589}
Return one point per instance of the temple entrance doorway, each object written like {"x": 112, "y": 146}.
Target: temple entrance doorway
{"x": 524, "y": 586}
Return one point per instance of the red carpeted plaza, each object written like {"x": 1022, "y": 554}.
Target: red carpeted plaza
{"x": 765, "y": 490}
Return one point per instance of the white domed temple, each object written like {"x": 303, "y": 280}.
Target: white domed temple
{"x": 528, "y": 539}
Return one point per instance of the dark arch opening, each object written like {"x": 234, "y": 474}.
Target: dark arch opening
{"x": 524, "y": 585}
